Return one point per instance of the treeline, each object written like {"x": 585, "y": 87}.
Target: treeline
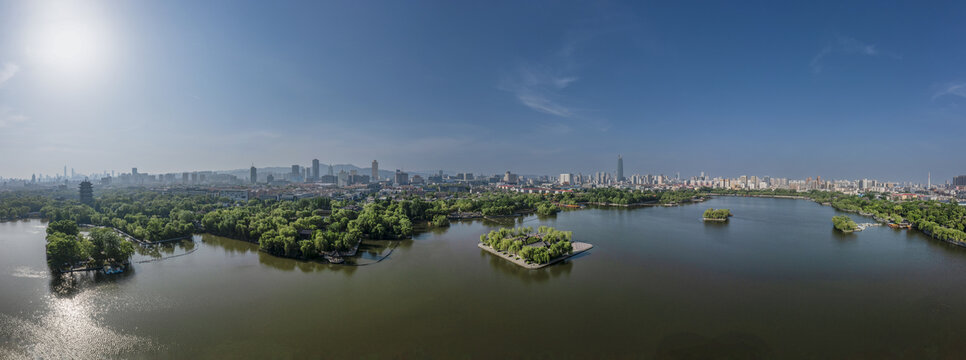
{"x": 67, "y": 248}
{"x": 18, "y": 205}
{"x": 298, "y": 229}
{"x": 516, "y": 241}
{"x": 627, "y": 196}
{"x": 145, "y": 215}
{"x": 766, "y": 192}
{"x": 717, "y": 214}
{"x": 944, "y": 221}
{"x": 844, "y": 223}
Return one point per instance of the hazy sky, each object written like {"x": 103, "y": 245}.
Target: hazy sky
{"x": 840, "y": 89}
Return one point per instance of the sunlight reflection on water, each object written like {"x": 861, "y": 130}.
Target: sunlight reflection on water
{"x": 67, "y": 328}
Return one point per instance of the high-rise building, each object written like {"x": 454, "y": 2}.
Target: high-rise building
{"x": 566, "y": 179}
{"x": 959, "y": 180}
{"x": 86, "y": 193}
{"x": 620, "y": 168}
{"x": 375, "y": 171}
{"x": 134, "y": 171}
{"x": 65, "y": 171}
{"x": 254, "y": 175}
{"x": 296, "y": 173}
{"x": 510, "y": 178}
{"x": 315, "y": 169}
{"x": 402, "y": 178}
{"x": 331, "y": 173}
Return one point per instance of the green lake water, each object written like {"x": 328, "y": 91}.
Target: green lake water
{"x": 774, "y": 282}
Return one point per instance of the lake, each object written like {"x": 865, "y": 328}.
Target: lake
{"x": 776, "y": 281}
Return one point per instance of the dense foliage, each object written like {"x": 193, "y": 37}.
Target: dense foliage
{"x": 540, "y": 247}
{"x": 67, "y": 248}
{"x": 16, "y": 205}
{"x": 627, "y": 197}
{"x": 717, "y": 214}
{"x": 844, "y": 223}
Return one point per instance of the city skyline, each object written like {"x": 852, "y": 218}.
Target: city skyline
{"x": 553, "y": 88}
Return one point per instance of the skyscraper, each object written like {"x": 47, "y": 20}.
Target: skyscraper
{"x": 375, "y": 171}
{"x": 315, "y": 169}
{"x": 254, "y": 176}
{"x": 620, "y": 168}
{"x": 296, "y": 173}
{"x": 401, "y": 178}
{"x": 86, "y": 193}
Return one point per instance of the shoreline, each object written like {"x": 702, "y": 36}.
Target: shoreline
{"x": 579, "y": 247}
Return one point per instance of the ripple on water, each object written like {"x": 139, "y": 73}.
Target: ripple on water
{"x": 28, "y": 272}
{"x": 68, "y": 328}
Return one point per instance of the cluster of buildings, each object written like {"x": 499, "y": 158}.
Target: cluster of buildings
{"x": 350, "y": 182}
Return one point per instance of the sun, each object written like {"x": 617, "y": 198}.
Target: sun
{"x": 68, "y": 39}
{"x": 70, "y": 46}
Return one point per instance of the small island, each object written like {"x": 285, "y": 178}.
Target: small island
{"x": 713, "y": 214}
{"x": 844, "y": 224}
{"x": 103, "y": 249}
{"x": 531, "y": 250}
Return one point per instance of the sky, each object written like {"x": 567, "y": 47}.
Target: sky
{"x": 842, "y": 90}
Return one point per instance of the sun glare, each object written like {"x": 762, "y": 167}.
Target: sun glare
{"x": 69, "y": 40}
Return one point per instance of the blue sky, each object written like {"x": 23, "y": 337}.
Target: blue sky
{"x": 841, "y": 90}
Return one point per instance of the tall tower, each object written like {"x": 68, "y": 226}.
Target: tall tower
{"x": 375, "y": 171}
{"x": 620, "y": 168}
{"x": 928, "y": 180}
{"x": 86, "y": 193}
{"x": 254, "y": 176}
{"x": 315, "y": 169}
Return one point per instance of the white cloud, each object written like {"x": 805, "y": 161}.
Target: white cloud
{"x": 542, "y": 104}
{"x": 951, "y": 89}
{"x": 9, "y": 118}
{"x": 844, "y": 45}
{"x": 7, "y": 71}
{"x": 539, "y": 89}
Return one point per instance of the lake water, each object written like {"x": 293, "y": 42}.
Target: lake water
{"x": 774, "y": 282}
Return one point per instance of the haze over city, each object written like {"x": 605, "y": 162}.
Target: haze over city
{"x": 829, "y": 89}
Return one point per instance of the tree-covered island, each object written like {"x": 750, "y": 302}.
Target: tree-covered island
{"x": 68, "y": 249}
{"x": 531, "y": 249}
{"x": 844, "y": 224}
{"x": 712, "y": 214}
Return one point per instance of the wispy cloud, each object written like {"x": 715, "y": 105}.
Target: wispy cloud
{"x": 9, "y": 118}
{"x": 845, "y": 45}
{"x": 540, "y": 87}
{"x": 951, "y": 89}
{"x": 7, "y": 71}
